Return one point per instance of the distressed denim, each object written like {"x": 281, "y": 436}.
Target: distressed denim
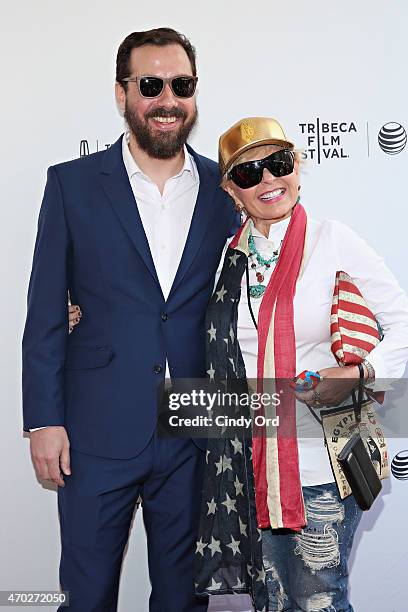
{"x": 307, "y": 571}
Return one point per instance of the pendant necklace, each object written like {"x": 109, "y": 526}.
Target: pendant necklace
{"x": 257, "y": 291}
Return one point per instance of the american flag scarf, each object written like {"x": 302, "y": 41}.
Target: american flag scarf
{"x": 279, "y": 498}
{"x": 229, "y": 555}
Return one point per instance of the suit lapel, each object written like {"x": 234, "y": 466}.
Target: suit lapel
{"x": 199, "y": 221}
{"x": 117, "y": 187}
{"x": 116, "y": 184}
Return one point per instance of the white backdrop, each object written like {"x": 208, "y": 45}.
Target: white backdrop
{"x": 304, "y": 63}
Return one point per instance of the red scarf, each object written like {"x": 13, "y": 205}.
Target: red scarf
{"x": 279, "y": 498}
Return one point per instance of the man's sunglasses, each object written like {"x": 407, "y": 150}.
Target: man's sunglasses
{"x": 152, "y": 86}
{"x": 248, "y": 174}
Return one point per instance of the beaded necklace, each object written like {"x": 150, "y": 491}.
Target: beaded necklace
{"x": 256, "y": 291}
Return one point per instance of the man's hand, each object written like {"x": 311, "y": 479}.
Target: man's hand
{"x": 334, "y": 388}
{"x": 50, "y": 453}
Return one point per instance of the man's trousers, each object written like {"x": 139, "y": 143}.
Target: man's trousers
{"x": 96, "y": 508}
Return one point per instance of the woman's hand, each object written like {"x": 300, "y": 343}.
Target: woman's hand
{"x": 74, "y": 316}
{"x": 334, "y": 387}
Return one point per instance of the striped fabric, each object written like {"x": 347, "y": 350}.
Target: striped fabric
{"x": 353, "y": 327}
{"x": 279, "y": 498}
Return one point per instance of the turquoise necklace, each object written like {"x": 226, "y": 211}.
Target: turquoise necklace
{"x": 256, "y": 291}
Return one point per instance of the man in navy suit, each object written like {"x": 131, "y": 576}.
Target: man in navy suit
{"x": 135, "y": 234}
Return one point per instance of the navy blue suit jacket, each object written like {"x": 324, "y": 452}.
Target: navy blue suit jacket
{"x": 101, "y": 381}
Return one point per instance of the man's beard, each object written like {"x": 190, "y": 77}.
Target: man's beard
{"x": 160, "y": 145}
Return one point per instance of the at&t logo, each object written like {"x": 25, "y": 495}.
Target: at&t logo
{"x": 392, "y": 138}
{"x": 399, "y": 465}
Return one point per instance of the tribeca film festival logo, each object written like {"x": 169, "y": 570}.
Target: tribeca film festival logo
{"x": 327, "y": 140}
{"x": 84, "y": 148}
{"x": 399, "y": 465}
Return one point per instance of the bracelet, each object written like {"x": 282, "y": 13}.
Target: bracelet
{"x": 370, "y": 371}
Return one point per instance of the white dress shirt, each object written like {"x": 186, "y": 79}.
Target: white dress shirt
{"x": 166, "y": 218}
{"x": 330, "y": 246}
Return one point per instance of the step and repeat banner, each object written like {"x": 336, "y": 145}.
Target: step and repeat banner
{"x": 334, "y": 76}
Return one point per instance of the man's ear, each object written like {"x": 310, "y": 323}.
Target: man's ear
{"x": 120, "y": 96}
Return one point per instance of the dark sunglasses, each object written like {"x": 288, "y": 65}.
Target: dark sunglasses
{"x": 152, "y": 86}
{"x": 249, "y": 174}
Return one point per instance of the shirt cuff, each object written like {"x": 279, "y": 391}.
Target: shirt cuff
{"x": 378, "y": 363}
{"x": 381, "y": 383}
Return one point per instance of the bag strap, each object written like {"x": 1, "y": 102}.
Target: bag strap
{"x": 249, "y": 295}
{"x": 359, "y": 402}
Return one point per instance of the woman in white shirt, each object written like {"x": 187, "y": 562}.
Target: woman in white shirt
{"x": 269, "y": 318}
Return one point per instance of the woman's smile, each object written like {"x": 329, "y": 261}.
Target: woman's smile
{"x": 272, "y": 197}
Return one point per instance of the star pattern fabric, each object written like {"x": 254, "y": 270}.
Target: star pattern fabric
{"x": 229, "y": 547}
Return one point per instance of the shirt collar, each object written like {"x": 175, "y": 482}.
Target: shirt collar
{"x": 276, "y": 230}
{"x": 133, "y": 168}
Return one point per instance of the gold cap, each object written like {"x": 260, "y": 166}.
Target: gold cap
{"x": 246, "y": 134}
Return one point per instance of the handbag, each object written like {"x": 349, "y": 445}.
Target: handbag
{"x": 354, "y": 329}
{"x": 360, "y": 472}
{"x": 354, "y": 463}
{"x": 347, "y": 431}
{"x": 354, "y": 427}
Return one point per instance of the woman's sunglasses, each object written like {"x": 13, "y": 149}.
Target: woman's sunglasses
{"x": 152, "y": 86}
{"x": 249, "y": 174}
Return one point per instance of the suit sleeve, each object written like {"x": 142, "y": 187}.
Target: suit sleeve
{"x": 236, "y": 224}
{"x": 234, "y": 227}
{"x": 46, "y": 329}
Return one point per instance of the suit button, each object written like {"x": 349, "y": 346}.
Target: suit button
{"x": 157, "y": 368}
{"x": 164, "y": 317}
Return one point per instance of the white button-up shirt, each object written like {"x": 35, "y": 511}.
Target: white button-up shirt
{"x": 330, "y": 246}
{"x": 166, "y": 218}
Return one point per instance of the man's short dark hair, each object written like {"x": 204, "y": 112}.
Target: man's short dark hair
{"x": 160, "y": 37}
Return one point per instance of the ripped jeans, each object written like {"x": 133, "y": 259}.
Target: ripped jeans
{"x": 307, "y": 571}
